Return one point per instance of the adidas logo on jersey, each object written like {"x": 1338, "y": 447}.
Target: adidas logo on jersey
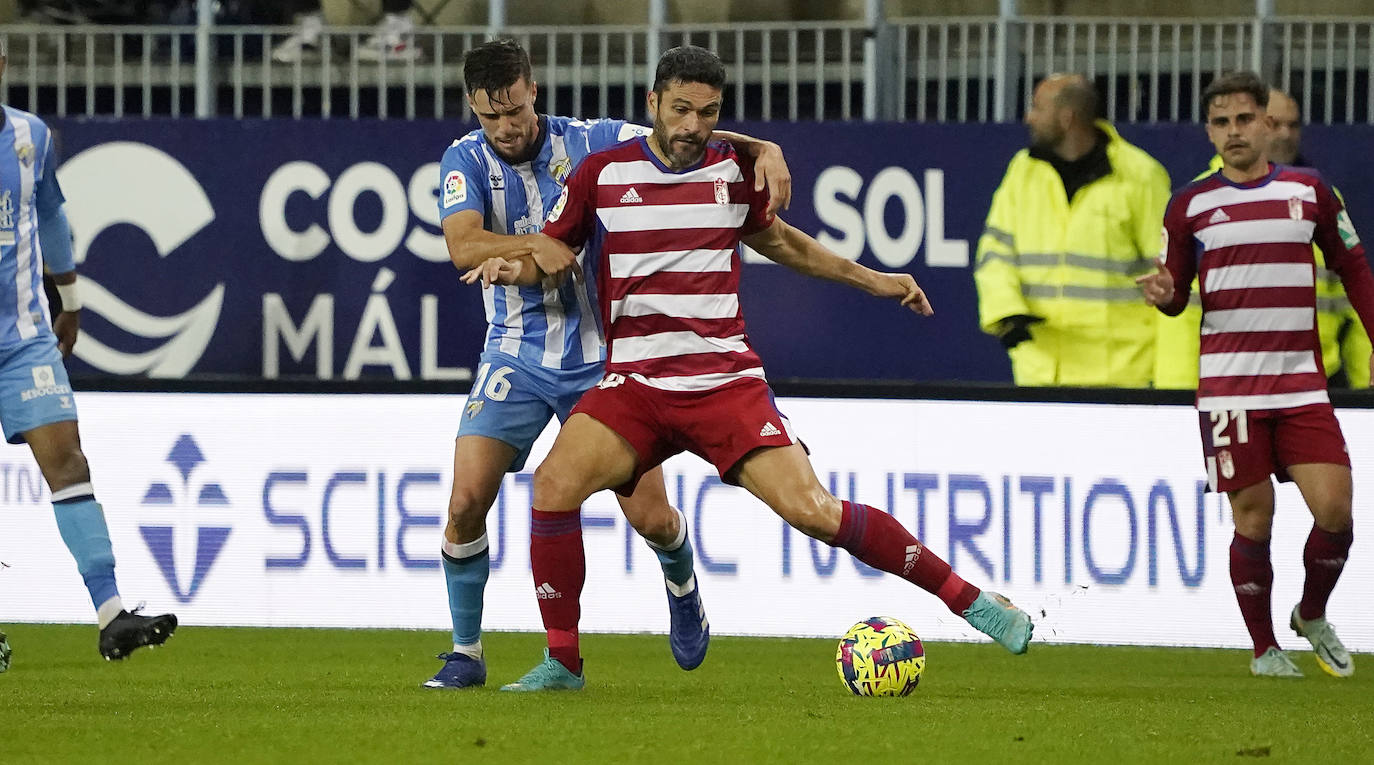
{"x": 631, "y": 197}
{"x": 1219, "y": 216}
{"x": 546, "y": 591}
{"x": 769, "y": 429}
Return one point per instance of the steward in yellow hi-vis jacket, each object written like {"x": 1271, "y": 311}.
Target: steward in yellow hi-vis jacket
{"x": 1075, "y": 220}
{"x": 1345, "y": 344}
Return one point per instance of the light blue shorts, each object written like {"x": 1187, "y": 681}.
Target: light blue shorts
{"x": 34, "y": 389}
{"x": 512, "y": 400}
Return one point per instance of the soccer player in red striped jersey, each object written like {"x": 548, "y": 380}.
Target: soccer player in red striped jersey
{"x": 663, "y": 216}
{"x": 1247, "y": 232}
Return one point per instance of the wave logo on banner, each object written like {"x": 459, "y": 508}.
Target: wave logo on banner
{"x": 185, "y": 457}
{"x": 160, "y": 196}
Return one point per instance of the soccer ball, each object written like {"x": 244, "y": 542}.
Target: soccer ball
{"x": 880, "y": 657}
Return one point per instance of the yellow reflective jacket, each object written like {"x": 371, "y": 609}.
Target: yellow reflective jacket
{"x": 1073, "y": 263}
{"x": 1345, "y": 343}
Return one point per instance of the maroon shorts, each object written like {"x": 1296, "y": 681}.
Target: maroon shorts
{"x": 720, "y": 425}
{"x": 1243, "y": 448}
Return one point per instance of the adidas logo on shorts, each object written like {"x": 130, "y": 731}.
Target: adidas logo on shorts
{"x": 631, "y": 197}
{"x": 769, "y": 429}
{"x": 546, "y": 591}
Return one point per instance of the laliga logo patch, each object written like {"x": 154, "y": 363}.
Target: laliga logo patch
{"x": 160, "y": 196}
{"x": 455, "y": 188}
{"x": 185, "y": 456}
{"x": 558, "y": 206}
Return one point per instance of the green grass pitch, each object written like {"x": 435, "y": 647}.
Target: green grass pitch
{"x": 252, "y": 695}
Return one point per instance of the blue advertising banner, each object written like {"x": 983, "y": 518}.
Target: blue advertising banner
{"x": 312, "y": 248}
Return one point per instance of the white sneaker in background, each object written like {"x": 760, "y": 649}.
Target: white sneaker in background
{"x": 305, "y": 39}
{"x": 392, "y": 40}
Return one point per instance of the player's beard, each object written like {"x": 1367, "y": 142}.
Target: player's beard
{"x": 680, "y": 154}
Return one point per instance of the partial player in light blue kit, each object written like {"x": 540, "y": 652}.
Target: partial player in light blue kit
{"x": 36, "y": 402}
{"x": 543, "y": 347}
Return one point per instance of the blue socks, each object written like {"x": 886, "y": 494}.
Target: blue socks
{"x": 676, "y": 559}
{"x": 466, "y": 568}
{"x": 81, "y": 523}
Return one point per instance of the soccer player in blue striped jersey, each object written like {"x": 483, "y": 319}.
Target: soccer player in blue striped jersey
{"x": 543, "y": 346}
{"x": 36, "y": 404}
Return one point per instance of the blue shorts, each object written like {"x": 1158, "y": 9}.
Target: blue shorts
{"x": 512, "y": 400}
{"x": 34, "y": 389}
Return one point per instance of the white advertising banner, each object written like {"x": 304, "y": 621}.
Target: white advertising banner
{"x": 327, "y": 510}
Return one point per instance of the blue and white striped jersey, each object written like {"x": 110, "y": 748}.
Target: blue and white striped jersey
{"x": 29, "y": 195}
{"x": 549, "y": 327}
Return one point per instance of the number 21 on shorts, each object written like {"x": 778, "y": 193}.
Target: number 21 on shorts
{"x": 1222, "y": 421}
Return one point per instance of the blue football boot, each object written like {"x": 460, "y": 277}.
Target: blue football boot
{"x": 690, "y": 633}
{"x": 459, "y": 671}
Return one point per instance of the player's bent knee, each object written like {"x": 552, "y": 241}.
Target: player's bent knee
{"x": 466, "y": 507}
{"x": 555, "y": 489}
{"x": 815, "y": 514}
{"x": 651, "y": 521}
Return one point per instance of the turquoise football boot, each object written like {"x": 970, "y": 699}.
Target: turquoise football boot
{"x": 995, "y": 616}
{"x": 548, "y": 675}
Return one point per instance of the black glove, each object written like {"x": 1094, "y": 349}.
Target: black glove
{"x": 1014, "y": 330}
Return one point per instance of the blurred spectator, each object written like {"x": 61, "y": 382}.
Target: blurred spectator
{"x": 1076, "y": 218}
{"x": 1345, "y": 344}
{"x": 393, "y": 39}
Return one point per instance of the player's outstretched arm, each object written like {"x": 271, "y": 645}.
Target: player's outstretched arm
{"x": 793, "y": 248}
{"x": 469, "y": 243}
{"x": 770, "y": 168}
{"x": 525, "y": 270}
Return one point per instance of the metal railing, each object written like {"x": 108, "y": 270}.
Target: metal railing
{"x": 949, "y": 70}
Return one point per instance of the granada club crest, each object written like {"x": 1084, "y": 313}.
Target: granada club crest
{"x": 1295, "y": 208}
{"x": 1227, "y": 465}
{"x": 722, "y": 192}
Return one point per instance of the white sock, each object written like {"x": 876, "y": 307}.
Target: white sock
{"x": 473, "y": 651}
{"x": 678, "y": 540}
{"x": 108, "y": 611}
{"x": 679, "y": 590}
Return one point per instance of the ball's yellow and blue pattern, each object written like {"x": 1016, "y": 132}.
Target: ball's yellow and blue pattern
{"x": 880, "y": 657}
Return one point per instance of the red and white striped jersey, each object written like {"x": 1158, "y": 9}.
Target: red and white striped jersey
{"x": 664, "y": 245}
{"x": 1250, "y": 245}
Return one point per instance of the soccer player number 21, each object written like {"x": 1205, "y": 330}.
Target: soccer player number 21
{"x": 1223, "y": 418}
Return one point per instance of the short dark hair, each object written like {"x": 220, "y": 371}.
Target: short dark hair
{"x": 1232, "y": 83}
{"x": 689, "y": 63}
{"x": 495, "y": 65}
